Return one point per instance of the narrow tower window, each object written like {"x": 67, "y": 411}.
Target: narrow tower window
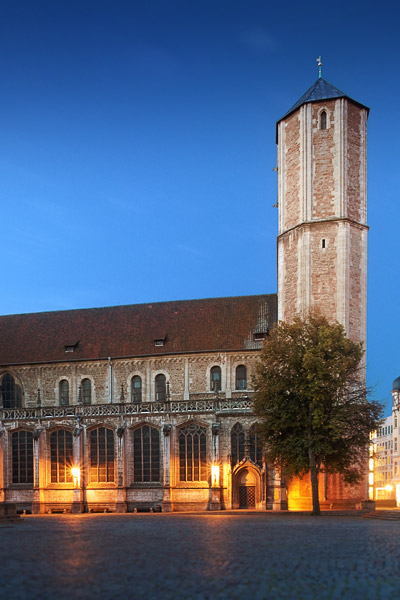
{"x": 323, "y": 243}
{"x": 322, "y": 120}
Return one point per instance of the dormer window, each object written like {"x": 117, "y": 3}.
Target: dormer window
{"x": 259, "y": 336}
{"x": 160, "y": 341}
{"x": 322, "y": 120}
{"x": 71, "y": 347}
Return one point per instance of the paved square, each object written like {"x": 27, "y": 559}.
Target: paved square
{"x": 199, "y": 556}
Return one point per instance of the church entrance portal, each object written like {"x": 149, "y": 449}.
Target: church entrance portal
{"x": 246, "y": 481}
{"x": 247, "y": 496}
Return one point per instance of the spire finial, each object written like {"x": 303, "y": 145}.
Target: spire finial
{"x": 319, "y": 61}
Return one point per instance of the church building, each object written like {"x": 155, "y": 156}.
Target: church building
{"x": 149, "y": 407}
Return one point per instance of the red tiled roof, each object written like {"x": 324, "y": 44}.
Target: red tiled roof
{"x": 212, "y": 324}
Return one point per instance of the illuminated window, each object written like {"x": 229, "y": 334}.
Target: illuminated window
{"x": 11, "y": 393}
{"x": 255, "y": 446}
{"x": 101, "y": 455}
{"x": 86, "y": 387}
{"x": 322, "y": 120}
{"x": 136, "y": 389}
{"x": 64, "y": 392}
{"x": 161, "y": 388}
{"x": 192, "y": 453}
{"x": 237, "y": 444}
{"x": 22, "y": 457}
{"x": 61, "y": 456}
{"x": 241, "y": 377}
{"x": 215, "y": 379}
{"x": 146, "y": 454}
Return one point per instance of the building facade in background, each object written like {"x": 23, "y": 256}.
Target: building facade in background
{"x": 384, "y": 446}
{"x": 150, "y": 406}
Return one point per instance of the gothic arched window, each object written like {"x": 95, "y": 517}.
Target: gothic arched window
{"x": 241, "y": 377}
{"x": 136, "y": 389}
{"x": 63, "y": 387}
{"x": 146, "y": 454}
{"x": 86, "y": 389}
{"x": 161, "y": 388}
{"x": 215, "y": 379}
{"x": 322, "y": 120}
{"x": 101, "y": 455}
{"x": 61, "y": 456}
{"x": 255, "y": 446}
{"x": 10, "y": 392}
{"x": 22, "y": 457}
{"x": 192, "y": 453}
{"x": 237, "y": 444}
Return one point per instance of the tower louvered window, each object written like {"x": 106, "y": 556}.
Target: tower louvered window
{"x": 192, "y": 453}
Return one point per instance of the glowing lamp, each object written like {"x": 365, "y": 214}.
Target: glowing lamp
{"x": 76, "y": 474}
{"x": 388, "y": 488}
{"x": 215, "y": 475}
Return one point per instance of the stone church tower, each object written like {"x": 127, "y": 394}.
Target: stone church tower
{"x": 322, "y": 241}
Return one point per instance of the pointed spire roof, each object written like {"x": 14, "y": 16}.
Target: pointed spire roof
{"x": 320, "y": 90}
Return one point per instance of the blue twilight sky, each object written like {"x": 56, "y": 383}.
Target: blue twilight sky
{"x": 137, "y": 142}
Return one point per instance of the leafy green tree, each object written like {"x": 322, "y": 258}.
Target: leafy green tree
{"x": 311, "y": 398}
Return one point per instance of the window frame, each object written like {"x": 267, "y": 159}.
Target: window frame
{"x": 99, "y": 444}
{"x": 146, "y": 444}
{"x": 192, "y": 447}
{"x": 63, "y": 394}
{"x": 215, "y": 382}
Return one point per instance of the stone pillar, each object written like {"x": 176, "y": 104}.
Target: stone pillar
{"x": 228, "y": 383}
{"x": 280, "y": 494}
{"x": 37, "y": 507}
{"x": 121, "y": 505}
{"x": 148, "y": 381}
{"x": 77, "y": 505}
{"x": 215, "y": 489}
{"x": 186, "y": 392}
{"x": 2, "y": 465}
{"x": 167, "y": 501}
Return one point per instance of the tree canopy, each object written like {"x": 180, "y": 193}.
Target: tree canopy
{"x": 311, "y": 397}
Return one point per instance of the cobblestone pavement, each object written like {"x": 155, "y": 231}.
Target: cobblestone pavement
{"x": 199, "y": 556}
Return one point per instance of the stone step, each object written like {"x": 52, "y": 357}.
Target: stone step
{"x": 386, "y": 515}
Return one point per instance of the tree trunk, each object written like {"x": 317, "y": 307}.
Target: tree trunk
{"x": 314, "y": 484}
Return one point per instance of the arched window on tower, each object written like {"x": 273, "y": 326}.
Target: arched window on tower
{"x": 215, "y": 379}
{"x": 161, "y": 388}
{"x": 136, "y": 389}
{"x": 86, "y": 387}
{"x": 237, "y": 444}
{"x": 322, "y": 120}
{"x": 64, "y": 392}
{"x": 241, "y": 377}
{"x": 11, "y": 393}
